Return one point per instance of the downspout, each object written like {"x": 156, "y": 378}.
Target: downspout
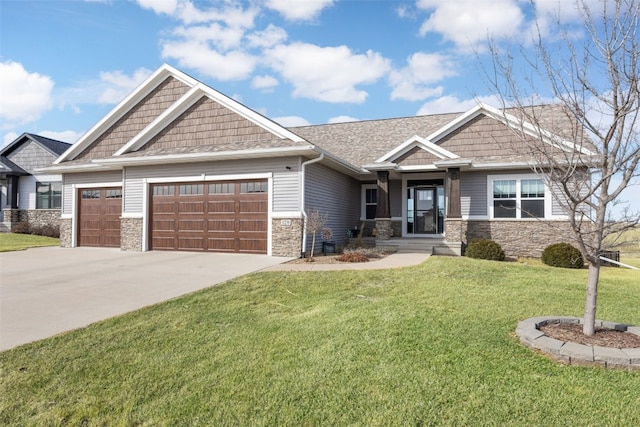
{"x": 302, "y": 207}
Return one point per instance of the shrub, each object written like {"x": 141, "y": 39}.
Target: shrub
{"x": 21, "y": 228}
{"x": 562, "y": 255}
{"x": 48, "y": 231}
{"x": 485, "y": 249}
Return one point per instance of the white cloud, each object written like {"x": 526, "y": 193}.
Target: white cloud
{"x": 25, "y": 96}
{"x": 8, "y": 138}
{"x": 160, "y": 6}
{"x": 328, "y": 74}
{"x": 298, "y": 10}
{"x": 117, "y": 85}
{"x": 452, "y": 104}
{"x": 470, "y": 23}
{"x": 342, "y": 119}
{"x": 264, "y": 82}
{"x": 269, "y": 37}
{"x": 69, "y": 136}
{"x": 414, "y": 82}
{"x": 291, "y": 121}
{"x": 109, "y": 88}
{"x": 226, "y": 66}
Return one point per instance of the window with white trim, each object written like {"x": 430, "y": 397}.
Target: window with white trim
{"x": 48, "y": 195}
{"x": 517, "y": 197}
{"x": 369, "y": 201}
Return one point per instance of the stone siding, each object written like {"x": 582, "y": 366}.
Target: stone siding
{"x": 131, "y": 234}
{"x": 36, "y": 218}
{"x": 519, "y": 238}
{"x": 286, "y": 236}
{"x": 384, "y": 229}
{"x": 66, "y": 228}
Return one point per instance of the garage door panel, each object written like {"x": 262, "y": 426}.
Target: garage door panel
{"x": 221, "y": 244}
{"x": 209, "y": 217}
{"x": 191, "y": 207}
{"x": 99, "y": 213}
{"x": 191, "y": 225}
{"x": 221, "y": 207}
{"x": 250, "y": 207}
{"x": 253, "y": 245}
{"x": 252, "y": 225}
{"x": 194, "y": 243}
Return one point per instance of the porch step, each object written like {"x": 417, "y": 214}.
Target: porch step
{"x": 5, "y": 227}
{"x": 432, "y": 246}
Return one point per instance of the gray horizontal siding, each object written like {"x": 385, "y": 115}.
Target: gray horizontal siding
{"x": 473, "y": 193}
{"x": 286, "y": 192}
{"x": 337, "y": 195}
{"x": 71, "y": 179}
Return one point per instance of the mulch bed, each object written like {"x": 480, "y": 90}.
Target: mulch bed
{"x": 603, "y": 337}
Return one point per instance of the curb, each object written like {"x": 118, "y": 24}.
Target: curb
{"x": 578, "y": 354}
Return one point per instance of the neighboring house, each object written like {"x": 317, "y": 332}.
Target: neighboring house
{"x": 26, "y": 193}
{"x": 179, "y": 166}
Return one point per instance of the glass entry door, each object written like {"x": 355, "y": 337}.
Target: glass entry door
{"x": 425, "y": 210}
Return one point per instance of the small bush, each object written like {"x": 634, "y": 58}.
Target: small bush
{"x": 562, "y": 255}
{"x": 21, "y": 228}
{"x": 485, "y": 249}
{"x": 352, "y": 257}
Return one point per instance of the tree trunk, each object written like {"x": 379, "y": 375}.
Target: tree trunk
{"x": 589, "y": 327}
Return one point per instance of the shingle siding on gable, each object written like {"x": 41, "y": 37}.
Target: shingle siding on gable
{"x": 207, "y": 123}
{"x": 482, "y": 137}
{"x": 135, "y": 120}
{"x": 337, "y": 195}
{"x": 417, "y": 156}
{"x": 30, "y": 156}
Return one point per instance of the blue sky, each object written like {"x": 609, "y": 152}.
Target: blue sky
{"x": 65, "y": 64}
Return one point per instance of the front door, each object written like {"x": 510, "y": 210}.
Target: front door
{"x": 425, "y": 210}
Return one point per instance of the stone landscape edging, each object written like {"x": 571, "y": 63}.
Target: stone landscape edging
{"x": 578, "y": 354}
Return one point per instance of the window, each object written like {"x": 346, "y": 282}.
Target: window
{"x": 532, "y": 198}
{"x": 90, "y": 194}
{"x": 191, "y": 189}
{"x": 369, "y": 201}
{"x": 48, "y": 195}
{"x": 254, "y": 187}
{"x": 518, "y": 197}
{"x": 163, "y": 190}
{"x": 222, "y": 188}
{"x": 114, "y": 193}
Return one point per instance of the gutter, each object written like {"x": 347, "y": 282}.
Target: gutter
{"x": 302, "y": 207}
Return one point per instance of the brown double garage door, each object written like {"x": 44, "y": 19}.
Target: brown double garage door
{"x": 230, "y": 216}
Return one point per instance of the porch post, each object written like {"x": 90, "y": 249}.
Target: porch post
{"x": 384, "y": 230}
{"x": 12, "y": 191}
{"x": 454, "y": 209}
{"x": 383, "y": 208}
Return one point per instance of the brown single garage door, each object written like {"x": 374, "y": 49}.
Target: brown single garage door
{"x": 230, "y": 216}
{"x": 99, "y": 217}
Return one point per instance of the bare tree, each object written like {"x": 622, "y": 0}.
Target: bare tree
{"x": 316, "y": 221}
{"x": 595, "y": 80}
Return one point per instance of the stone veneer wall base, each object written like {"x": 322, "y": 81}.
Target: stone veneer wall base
{"x": 287, "y": 237}
{"x": 131, "y": 234}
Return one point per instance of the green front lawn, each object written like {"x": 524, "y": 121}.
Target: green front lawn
{"x": 18, "y": 242}
{"x": 428, "y": 345}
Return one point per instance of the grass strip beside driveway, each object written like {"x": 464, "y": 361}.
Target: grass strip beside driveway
{"x": 18, "y": 242}
{"x": 427, "y": 345}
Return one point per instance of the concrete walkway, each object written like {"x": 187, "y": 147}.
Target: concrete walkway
{"x": 46, "y": 291}
{"x": 395, "y": 260}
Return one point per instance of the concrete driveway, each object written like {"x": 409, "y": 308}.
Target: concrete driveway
{"x": 46, "y": 291}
